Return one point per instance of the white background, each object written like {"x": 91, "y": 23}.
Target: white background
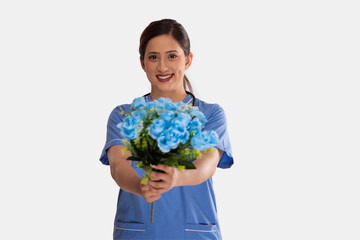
{"x": 285, "y": 72}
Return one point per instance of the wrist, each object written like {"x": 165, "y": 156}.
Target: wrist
{"x": 139, "y": 190}
{"x": 179, "y": 178}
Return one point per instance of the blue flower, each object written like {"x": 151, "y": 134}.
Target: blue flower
{"x": 197, "y": 142}
{"x": 138, "y": 103}
{"x": 156, "y": 128}
{"x": 168, "y": 140}
{"x": 211, "y": 138}
{"x": 139, "y": 114}
{"x": 131, "y": 127}
{"x": 170, "y": 106}
{"x": 195, "y": 125}
{"x": 195, "y": 112}
{"x": 183, "y": 107}
{"x": 178, "y": 105}
{"x": 204, "y": 140}
{"x": 183, "y": 119}
{"x": 166, "y": 103}
{"x": 150, "y": 105}
{"x": 167, "y": 116}
{"x": 161, "y": 102}
{"x": 181, "y": 128}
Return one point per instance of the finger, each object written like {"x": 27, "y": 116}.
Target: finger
{"x": 159, "y": 186}
{"x": 153, "y": 198}
{"x": 154, "y": 190}
{"x": 150, "y": 197}
{"x": 145, "y": 188}
{"x": 163, "y": 167}
{"x": 157, "y": 176}
{"x": 151, "y": 194}
{"x": 157, "y": 197}
{"x": 161, "y": 177}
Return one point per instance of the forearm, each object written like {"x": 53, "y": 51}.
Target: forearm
{"x": 205, "y": 168}
{"x": 127, "y": 179}
{"x": 122, "y": 172}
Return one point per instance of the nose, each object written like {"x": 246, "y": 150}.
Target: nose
{"x": 162, "y": 66}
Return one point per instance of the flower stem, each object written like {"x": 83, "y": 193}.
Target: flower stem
{"x": 152, "y": 212}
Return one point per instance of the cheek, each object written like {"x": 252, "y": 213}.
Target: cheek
{"x": 182, "y": 65}
{"x": 177, "y": 66}
{"x": 181, "y": 69}
{"x": 149, "y": 68}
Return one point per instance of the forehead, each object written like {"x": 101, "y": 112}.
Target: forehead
{"x": 163, "y": 43}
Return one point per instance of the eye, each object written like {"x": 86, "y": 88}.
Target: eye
{"x": 152, "y": 57}
{"x": 172, "y": 56}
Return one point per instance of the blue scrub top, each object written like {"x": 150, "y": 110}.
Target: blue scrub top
{"x": 186, "y": 212}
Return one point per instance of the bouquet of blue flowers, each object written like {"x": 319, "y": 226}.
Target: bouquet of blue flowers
{"x": 164, "y": 132}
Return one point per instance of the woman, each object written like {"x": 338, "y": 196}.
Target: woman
{"x": 185, "y": 204}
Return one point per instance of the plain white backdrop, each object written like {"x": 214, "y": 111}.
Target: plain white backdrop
{"x": 285, "y": 72}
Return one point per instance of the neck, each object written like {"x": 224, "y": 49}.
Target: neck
{"x": 175, "y": 96}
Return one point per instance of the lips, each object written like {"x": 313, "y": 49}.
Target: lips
{"x": 164, "y": 78}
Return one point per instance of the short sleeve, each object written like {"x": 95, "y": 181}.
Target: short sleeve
{"x": 217, "y": 121}
{"x": 113, "y": 135}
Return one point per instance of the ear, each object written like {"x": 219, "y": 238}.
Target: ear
{"x": 188, "y": 61}
{"x": 142, "y": 63}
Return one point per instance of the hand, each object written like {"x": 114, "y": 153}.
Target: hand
{"x": 164, "y": 181}
{"x": 149, "y": 193}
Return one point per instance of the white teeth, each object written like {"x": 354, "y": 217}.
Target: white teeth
{"x": 164, "y": 77}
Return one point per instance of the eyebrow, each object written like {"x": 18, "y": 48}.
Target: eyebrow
{"x": 165, "y": 52}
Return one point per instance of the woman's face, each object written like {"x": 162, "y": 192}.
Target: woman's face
{"x": 165, "y": 64}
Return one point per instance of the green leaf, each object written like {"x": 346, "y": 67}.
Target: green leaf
{"x": 124, "y": 150}
{"x": 175, "y": 156}
{"x": 187, "y": 164}
{"x": 145, "y": 180}
{"x": 181, "y": 167}
{"x": 133, "y": 158}
{"x": 139, "y": 164}
{"x": 169, "y": 162}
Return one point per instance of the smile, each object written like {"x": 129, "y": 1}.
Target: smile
{"x": 164, "y": 78}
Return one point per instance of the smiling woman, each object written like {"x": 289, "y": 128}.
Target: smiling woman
{"x": 165, "y": 55}
{"x": 185, "y": 201}
{"x": 166, "y": 66}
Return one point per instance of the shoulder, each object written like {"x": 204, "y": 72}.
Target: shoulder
{"x": 123, "y": 107}
{"x": 116, "y": 112}
{"x": 210, "y": 110}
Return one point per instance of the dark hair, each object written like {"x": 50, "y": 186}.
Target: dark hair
{"x": 170, "y": 27}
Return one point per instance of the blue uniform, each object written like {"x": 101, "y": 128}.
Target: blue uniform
{"x": 186, "y": 212}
